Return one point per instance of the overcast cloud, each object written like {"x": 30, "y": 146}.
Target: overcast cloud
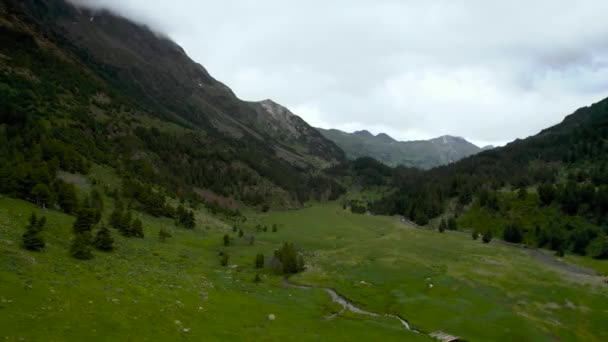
{"x": 485, "y": 70}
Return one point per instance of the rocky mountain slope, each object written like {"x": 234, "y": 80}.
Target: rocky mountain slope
{"x": 424, "y": 154}
{"x": 143, "y": 104}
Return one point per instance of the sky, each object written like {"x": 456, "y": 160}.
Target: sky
{"x": 485, "y": 70}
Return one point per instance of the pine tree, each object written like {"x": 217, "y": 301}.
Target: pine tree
{"x": 116, "y": 217}
{"x": 452, "y": 225}
{"x": 31, "y": 238}
{"x": 103, "y": 240}
{"x": 81, "y": 246}
{"x": 85, "y": 219}
{"x": 259, "y": 260}
{"x": 125, "y": 224}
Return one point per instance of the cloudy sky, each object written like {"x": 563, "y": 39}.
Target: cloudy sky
{"x": 485, "y": 70}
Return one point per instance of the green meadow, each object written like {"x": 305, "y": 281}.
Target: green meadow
{"x": 177, "y": 290}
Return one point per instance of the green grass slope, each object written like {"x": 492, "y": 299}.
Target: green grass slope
{"x": 148, "y": 290}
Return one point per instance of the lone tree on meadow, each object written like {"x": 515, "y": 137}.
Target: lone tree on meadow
{"x": 287, "y": 260}
{"x": 32, "y": 240}
{"x": 81, "y": 246}
{"x": 103, "y": 240}
{"x": 259, "y": 260}
{"x": 164, "y": 234}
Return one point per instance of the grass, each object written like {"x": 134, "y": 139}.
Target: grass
{"x": 148, "y": 290}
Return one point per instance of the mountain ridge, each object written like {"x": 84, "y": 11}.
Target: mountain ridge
{"x": 424, "y": 154}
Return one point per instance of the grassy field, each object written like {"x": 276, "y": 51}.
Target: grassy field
{"x": 148, "y": 290}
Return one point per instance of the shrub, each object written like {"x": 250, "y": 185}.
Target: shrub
{"x": 487, "y": 236}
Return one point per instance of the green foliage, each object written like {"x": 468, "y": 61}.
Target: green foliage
{"x": 86, "y": 218}
{"x": 598, "y": 248}
{"x": 137, "y": 229}
{"x": 224, "y": 258}
{"x": 442, "y": 226}
{"x": 452, "y": 225}
{"x": 358, "y": 207}
{"x": 487, "y": 236}
{"x": 275, "y": 228}
{"x": 185, "y": 218}
{"x": 164, "y": 234}
{"x": 32, "y": 239}
{"x": 103, "y": 240}
{"x": 226, "y": 240}
{"x": 287, "y": 260}
{"x": 512, "y": 232}
{"x": 257, "y": 278}
{"x": 475, "y": 234}
{"x": 259, "y": 260}
{"x": 81, "y": 246}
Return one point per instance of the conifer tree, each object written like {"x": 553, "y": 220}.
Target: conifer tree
{"x": 86, "y": 217}
{"x": 31, "y": 238}
{"x": 103, "y": 240}
{"x": 81, "y": 246}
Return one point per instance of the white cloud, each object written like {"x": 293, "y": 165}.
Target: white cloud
{"x": 489, "y": 71}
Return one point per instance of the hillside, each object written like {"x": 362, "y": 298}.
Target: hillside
{"x": 549, "y": 190}
{"x": 423, "y": 154}
{"x": 101, "y": 89}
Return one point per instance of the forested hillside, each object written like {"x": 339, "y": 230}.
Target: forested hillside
{"x": 549, "y": 190}
{"x": 81, "y": 87}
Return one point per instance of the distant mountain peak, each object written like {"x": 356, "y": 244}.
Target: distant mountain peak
{"x": 385, "y": 137}
{"x": 363, "y": 133}
{"x": 423, "y": 154}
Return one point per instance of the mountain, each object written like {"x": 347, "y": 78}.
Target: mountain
{"x": 549, "y": 190}
{"x": 424, "y": 154}
{"x": 107, "y": 91}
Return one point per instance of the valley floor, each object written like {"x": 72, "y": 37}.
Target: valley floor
{"x": 148, "y": 290}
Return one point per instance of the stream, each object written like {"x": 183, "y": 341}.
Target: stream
{"x": 348, "y": 305}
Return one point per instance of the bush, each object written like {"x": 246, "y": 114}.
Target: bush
{"x": 598, "y": 248}
{"x": 475, "y": 235}
{"x": 512, "y": 233}
{"x": 487, "y": 236}
{"x": 226, "y": 240}
{"x": 224, "y": 258}
{"x": 164, "y": 234}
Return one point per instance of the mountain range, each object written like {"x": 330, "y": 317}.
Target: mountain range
{"x": 423, "y": 154}
{"x": 135, "y": 100}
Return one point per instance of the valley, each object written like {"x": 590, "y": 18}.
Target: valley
{"x": 142, "y": 200}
